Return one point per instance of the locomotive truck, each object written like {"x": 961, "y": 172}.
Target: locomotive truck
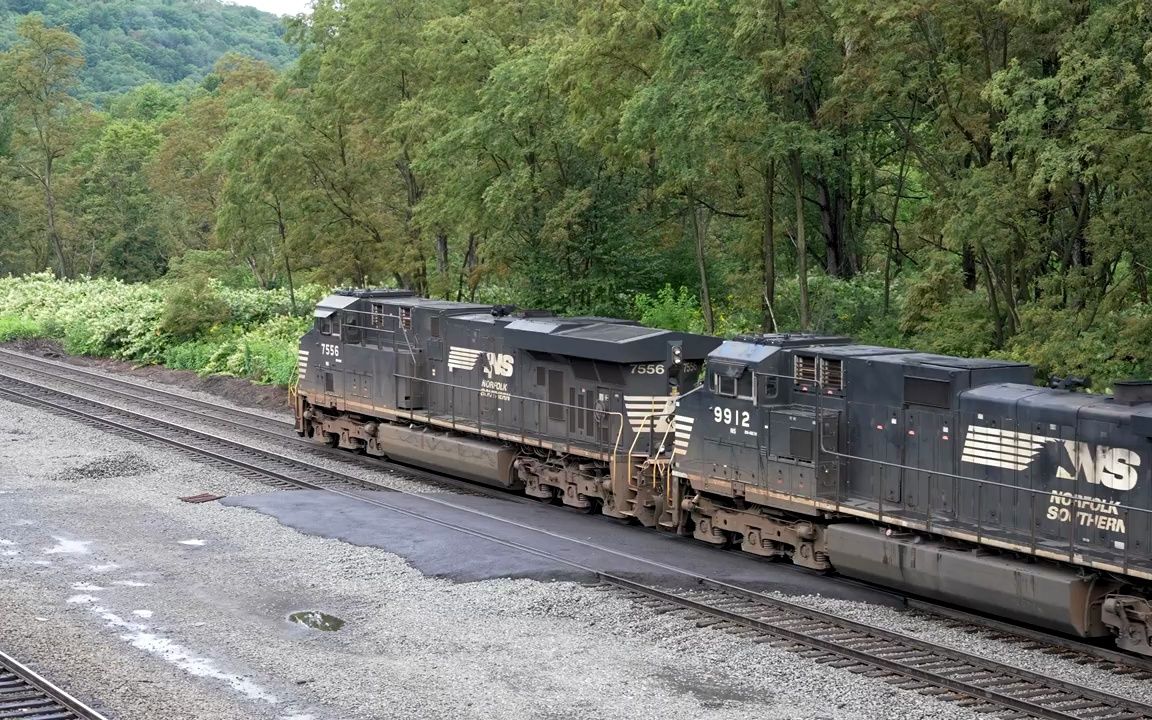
{"x": 951, "y": 478}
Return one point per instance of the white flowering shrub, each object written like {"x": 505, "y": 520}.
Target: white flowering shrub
{"x": 109, "y": 318}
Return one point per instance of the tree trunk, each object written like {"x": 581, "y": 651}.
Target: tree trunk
{"x": 832, "y": 227}
{"x": 801, "y": 245}
{"x": 443, "y": 277}
{"x": 417, "y": 272}
{"x": 62, "y": 265}
{"x": 468, "y": 270}
{"x": 968, "y": 263}
{"x": 701, "y": 219}
{"x": 892, "y": 232}
{"x": 993, "y": 303}
{"x": 280, "y": 228}
{"x": 768, "y": 247}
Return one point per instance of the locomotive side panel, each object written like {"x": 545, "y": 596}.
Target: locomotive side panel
{"x": 886, "y": 464}
{"x": 1070, "y": 469}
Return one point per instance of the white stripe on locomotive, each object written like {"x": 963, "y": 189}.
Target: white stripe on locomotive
{"x": 462, "y": 358}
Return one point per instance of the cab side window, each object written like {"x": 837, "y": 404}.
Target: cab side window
{"x": 330, "y": 325}
{"x": 351, "y": 328}
{"x": 723, "y": 385}
{"x": 766, "y": 389}
{"x": 744, "y": 386}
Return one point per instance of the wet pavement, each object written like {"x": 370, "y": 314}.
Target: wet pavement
{"x": 593, "y": 541}
{"x": 153, "y": 607}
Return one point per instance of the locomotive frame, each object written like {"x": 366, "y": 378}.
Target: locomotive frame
{"x": 946, "y": 477}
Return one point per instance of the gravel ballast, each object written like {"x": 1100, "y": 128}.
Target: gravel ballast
{"x": 932, "y": 629}
{"x": 152, "y": 607}
{"x": 288, "y": 447}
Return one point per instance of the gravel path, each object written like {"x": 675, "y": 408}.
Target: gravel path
{"x": 157, "y": 608}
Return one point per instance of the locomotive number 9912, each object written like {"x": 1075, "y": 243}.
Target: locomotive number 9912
{"x": 728, "y": 416}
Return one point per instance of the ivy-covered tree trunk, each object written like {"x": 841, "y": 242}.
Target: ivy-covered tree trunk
{"x": 768, "y": 246}
{"x": 801, "y": 243}
{"x": 701, "y": 220}
{"x": 64, "y": 267}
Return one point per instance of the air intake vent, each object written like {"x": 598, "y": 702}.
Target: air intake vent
{"x": 831, "y": 375}
{"x": 1132, "y": 392}
{"x": 805, "y": 370}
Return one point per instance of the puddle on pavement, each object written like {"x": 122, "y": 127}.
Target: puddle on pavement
{"x": 317, "y": 620}
{"x": 69, "y": 547}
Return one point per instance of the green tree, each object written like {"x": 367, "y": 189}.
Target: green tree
{"x": 36, "y": 76}
{"x": 116, "y": 208}
{"x": 258, "y": 218}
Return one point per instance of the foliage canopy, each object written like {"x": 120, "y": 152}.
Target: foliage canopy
{"x": 964, "y": 176}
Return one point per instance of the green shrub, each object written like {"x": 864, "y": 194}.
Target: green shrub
{"x": 13, "y": 328}
{"x": 200, "y": 326}
{"x": 670, "y": 309}
{"x": 192, "y": 355}
{"x": 193, "y": 308}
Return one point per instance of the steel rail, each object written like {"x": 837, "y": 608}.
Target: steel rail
{"x": 27, "y": 695}
{"x": 1111, "y": 660}
{"x": 172, "y": 402}
{"x": 857, "y": 644}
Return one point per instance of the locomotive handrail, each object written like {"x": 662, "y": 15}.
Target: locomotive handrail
{"x": 1031, "y": 493}
{"x": 611, "y": 413}
{"x": 676, "y": 401}
{"x": 1064, "y": 539}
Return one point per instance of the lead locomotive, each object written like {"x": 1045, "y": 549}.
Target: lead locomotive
{"x": 947, "y": 477}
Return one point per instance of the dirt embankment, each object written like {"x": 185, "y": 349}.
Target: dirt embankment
{"x": 238, "y": 391}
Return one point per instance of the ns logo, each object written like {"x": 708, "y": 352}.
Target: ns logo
{"x": 499, "y": 364}
{"x": 467, "y": 359}
{"x": 1115, "y": 468}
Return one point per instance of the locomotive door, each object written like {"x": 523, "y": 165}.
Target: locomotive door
{"x": 875, "y": 435}
{"x": 929, "y": 462}
{"x": 435, "y": 395}
{"x": 331, "y": 361}
{"x": 489, "y": 404}
{"x": 607, "y": 424}
{"x": 494, "y": 376}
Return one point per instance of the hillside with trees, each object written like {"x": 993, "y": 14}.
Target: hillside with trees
{"x": 127, "y": 43}
{"x": 964, "y": 176}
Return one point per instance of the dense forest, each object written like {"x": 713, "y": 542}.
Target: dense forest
{"x": 965, "y": 176}
{"x": 127, "y": 43}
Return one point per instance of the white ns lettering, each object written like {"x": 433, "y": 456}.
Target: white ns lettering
{"x": 1114, "y": 468}
{"x": 499, "y": 364}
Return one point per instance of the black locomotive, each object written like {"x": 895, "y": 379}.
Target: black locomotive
{"x": 947, "y": 477}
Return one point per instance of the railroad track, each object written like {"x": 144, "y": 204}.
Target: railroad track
{"x": 275, "y": 431}
{"x": 950, "y": 675}
{"x": 1000, "y": 690}
{"x": 1081, "y": 653}
{"x": 273, "y": 468}
{"x": 283, "y": 431}
{"x": 26, "y": 695}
